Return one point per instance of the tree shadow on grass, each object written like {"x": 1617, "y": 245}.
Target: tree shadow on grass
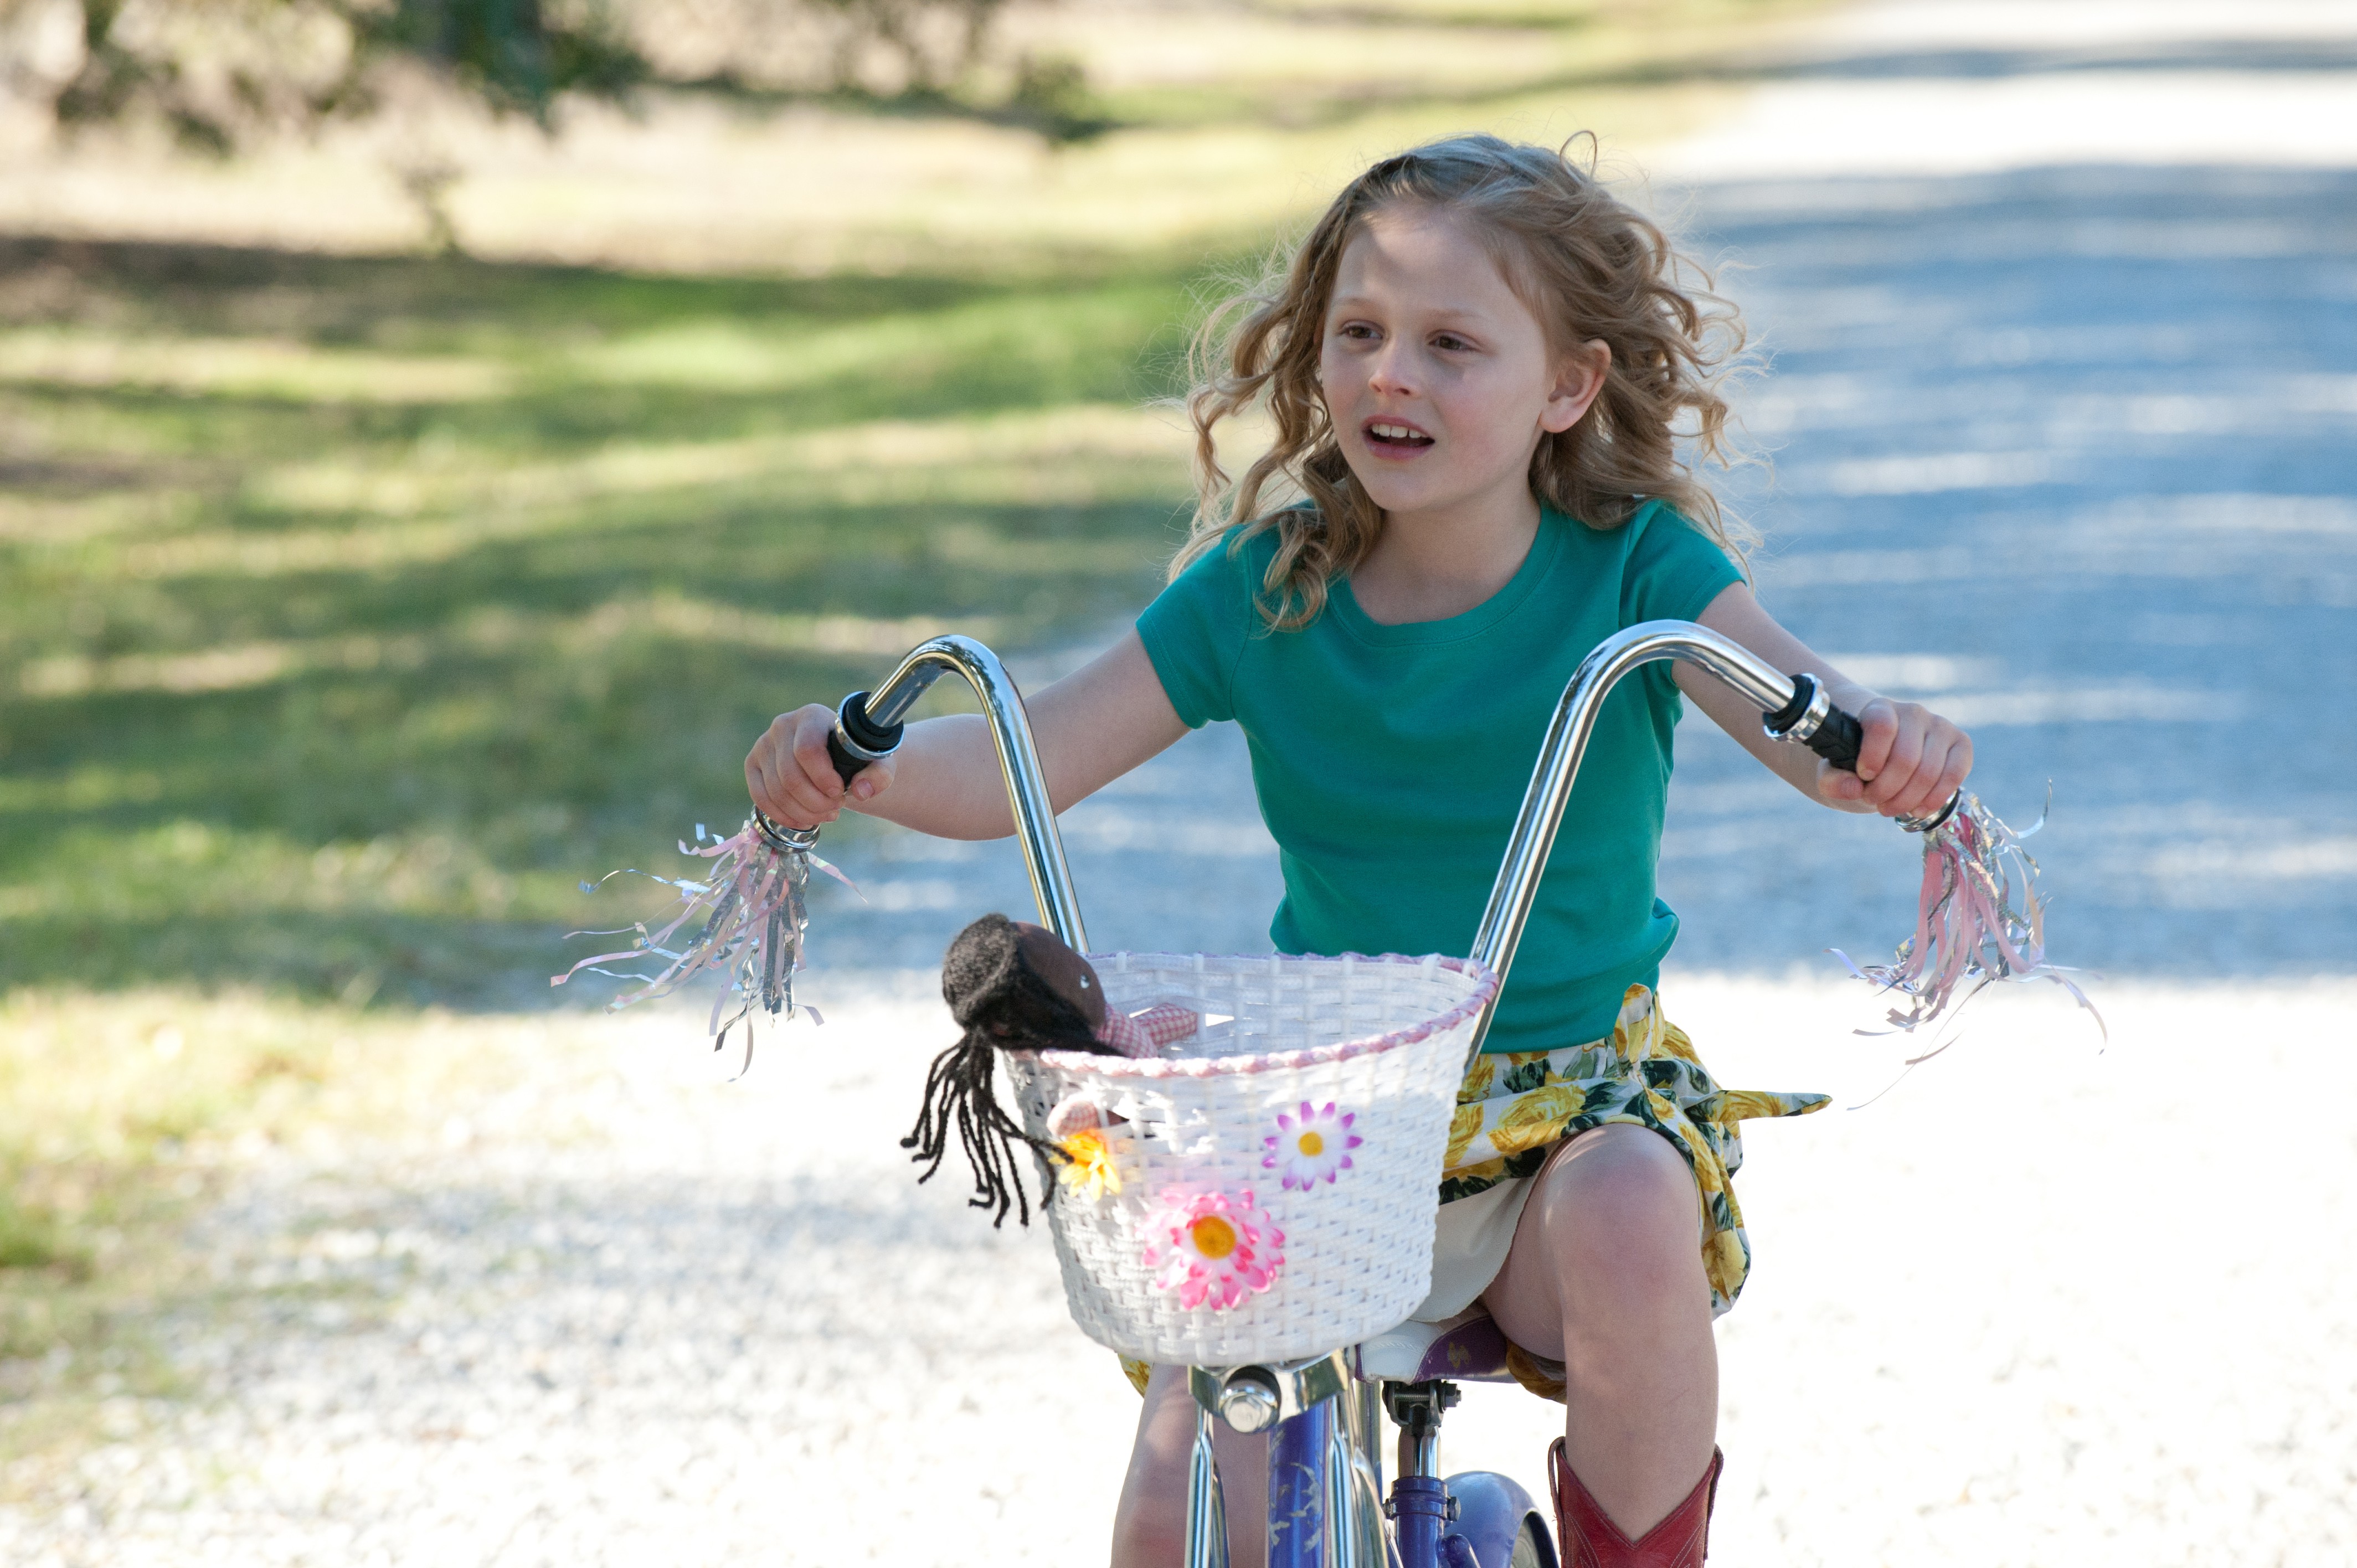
{"x": 555, "y": 357}
{"x": 343, "y": 697}
{"x": 193, "y": 287}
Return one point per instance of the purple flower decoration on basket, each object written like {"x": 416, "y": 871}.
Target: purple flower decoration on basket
{"x": 1312, "y": 1146}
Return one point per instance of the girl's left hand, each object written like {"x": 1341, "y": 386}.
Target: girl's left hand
{"x": 1910, "y": 762}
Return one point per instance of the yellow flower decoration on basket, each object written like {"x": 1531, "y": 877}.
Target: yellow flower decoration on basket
{"x": 1088, "y": 1168}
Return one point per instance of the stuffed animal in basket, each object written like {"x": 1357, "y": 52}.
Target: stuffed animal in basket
{"x": 1015, "y": 986}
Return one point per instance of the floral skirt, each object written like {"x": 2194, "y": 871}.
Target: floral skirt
{"x": 1513, "y": 1108}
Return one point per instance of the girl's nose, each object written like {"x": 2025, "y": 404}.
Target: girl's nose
{"x": 1394, "y": 372}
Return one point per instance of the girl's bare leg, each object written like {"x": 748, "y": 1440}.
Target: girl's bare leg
{"x": 1606, "y": 1276}
{"x": 1150, "y": 1529}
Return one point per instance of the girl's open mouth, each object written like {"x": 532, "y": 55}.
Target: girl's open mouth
{"x": 1396, "y": 437}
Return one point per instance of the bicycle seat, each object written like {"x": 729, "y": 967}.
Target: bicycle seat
{"x": 1467, "y": 1348}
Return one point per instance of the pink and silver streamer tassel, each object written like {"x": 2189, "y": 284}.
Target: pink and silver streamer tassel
{"x": 1980, "y": 921}
{"x": 746, "y": 918}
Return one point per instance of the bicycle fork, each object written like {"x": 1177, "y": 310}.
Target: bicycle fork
{"x": 1207, "y": 1513}
{"x": 1325, "y": 1490}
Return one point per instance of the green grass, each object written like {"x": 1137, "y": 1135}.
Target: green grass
{"x": 355, "y": 609}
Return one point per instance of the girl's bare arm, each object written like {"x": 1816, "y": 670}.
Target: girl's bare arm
{"x": 1912, "y": 759}
{"x": 1091, "y": 727}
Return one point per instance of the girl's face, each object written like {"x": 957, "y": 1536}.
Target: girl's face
{"x": 1437, "y": 377}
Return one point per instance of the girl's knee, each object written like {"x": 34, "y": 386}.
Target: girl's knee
{"x": 1622, "y": 1191}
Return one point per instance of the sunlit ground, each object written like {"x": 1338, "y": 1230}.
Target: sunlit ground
{"x": 556, "y": 1291}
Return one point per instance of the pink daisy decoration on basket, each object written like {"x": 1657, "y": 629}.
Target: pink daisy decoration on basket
{"x": 1212, "y": 1248}
{"x": 1310, "y": 1146}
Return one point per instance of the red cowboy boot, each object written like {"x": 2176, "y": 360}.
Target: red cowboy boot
{"x": 1585, "y": 1537}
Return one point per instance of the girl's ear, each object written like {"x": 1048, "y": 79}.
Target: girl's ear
{"x": 1578, "y": 380}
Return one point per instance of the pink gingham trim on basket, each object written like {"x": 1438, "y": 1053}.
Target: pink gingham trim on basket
{"x": 1485, "y": 985}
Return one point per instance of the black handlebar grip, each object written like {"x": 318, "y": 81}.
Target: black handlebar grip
{"x": 1837, "y": 740}
{"x": 877, "y": 740}
{"x": 846, "y": 766}
{"x": 1836, "y": 736}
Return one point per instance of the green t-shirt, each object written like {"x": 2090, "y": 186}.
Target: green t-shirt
{"x": 1390, "y": 760}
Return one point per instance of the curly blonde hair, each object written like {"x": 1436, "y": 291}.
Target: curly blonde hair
{"x": 1588, "y": 265}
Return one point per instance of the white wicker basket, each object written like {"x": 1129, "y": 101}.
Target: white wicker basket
{"x": 1382, "y": 1040}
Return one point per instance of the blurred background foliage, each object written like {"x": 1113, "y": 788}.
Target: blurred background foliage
{"x": 357, "y": 604}
{"x": 221, "y": 72}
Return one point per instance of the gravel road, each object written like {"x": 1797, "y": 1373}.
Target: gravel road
{"x": 714, "y": 1323}
{"x": 2065, "y": 340}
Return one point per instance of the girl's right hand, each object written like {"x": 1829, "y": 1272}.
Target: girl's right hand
{"x": 792, "y": 778}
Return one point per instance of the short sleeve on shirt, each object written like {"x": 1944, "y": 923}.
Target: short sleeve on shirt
{"x": 1675, "y": 568}
{"x": 1196, "y": 629}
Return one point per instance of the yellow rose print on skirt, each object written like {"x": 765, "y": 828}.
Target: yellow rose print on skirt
{"x": 1513, "y": 1108}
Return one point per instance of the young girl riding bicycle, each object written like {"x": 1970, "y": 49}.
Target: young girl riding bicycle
{"x": 1476, "y": 366}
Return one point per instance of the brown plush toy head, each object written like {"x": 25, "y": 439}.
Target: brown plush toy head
{"x": 1012, "y": 986}
{"x": 1020, "y": 985}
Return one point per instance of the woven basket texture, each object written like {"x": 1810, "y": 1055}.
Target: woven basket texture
{"x": 1382, "y": 1038}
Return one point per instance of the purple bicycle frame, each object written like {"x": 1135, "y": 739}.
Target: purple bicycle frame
{"x": 1296, "y": 1487}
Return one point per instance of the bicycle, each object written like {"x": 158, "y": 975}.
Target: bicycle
{"x": 1326, "y": 1503}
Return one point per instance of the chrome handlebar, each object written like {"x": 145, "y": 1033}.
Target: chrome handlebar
{"x": 1527, "y": 847}
{"x": 868, "y": 728}
{"x": 879, "y": 714}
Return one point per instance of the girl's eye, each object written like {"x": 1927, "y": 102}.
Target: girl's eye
{"x": 1359, "y": 330}
{"x": 1450, "y": 341}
